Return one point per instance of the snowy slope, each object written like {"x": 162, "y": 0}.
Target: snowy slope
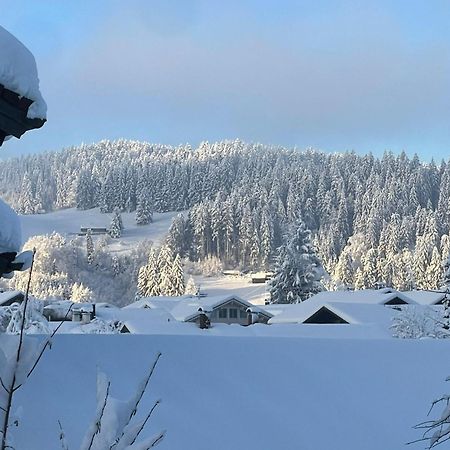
{"x": 68, "y": 222}
{"x": 250, "y": 393}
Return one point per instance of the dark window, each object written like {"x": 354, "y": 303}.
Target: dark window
{"x": 242, "y": 314}
{"x": 223, "y": 313}
{"x": 233, "y": 313}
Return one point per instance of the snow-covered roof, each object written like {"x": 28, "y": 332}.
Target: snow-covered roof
{"x": 144, "y": 321}
{"x": 188, "y": 308}
{"x": 7, "y": 296}
{"x": 164, "y": 302}
{"x": 352, "y": 313}
{"x": 10, "y": 230}
{"x": 378, "y": 296}
{"x": 18, "y": 73}
{"x": 425, "y": 297}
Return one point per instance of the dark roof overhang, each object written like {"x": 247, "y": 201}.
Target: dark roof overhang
{"x": 13, "y": 115}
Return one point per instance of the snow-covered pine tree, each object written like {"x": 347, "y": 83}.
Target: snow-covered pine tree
{"x": 446, "y": 275}
{"x": 89, "y": 247}
{"x": 144, "y": 210}
{"x": 166, "y": 263}
{"x": 115, "y": 229}
{"x": 80, "y": 293}
{"x": 434, "y": 270}
{"x": 142, "y": 282}
{"x": 176, "y": 235}
{"x": 298, "y": 271}
{"x": 191, "y": 287}
{"x": 177, "y": 277}
{"x": 115, "y": 265}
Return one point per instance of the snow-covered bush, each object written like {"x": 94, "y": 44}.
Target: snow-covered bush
{"x": 80, "y": 293}
{"x": 191, "y": 287}
{"x": 35, "y": 322}
{"x": 414, "y": 322}
{"x": 61, "y": 270}
{"x": 211, "y": 266}
{"x": 101, "y": 326}
{"x": 436, "y": 431}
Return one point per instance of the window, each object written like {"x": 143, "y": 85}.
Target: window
{"x": 233, "y": 313}
{"x": 242, "y": 314}
{"x": 222, "y": 313}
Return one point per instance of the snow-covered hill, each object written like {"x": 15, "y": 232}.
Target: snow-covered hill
{"x": 252, "y": 393}
{"x": 68, "y": 222}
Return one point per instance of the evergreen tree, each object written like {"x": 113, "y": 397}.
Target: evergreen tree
{"x": 89, "y": 247}
{"x": 298, "y": 271}
{"x": 177, "y": 277}
{"x": 144, "y": 212}
{"x": 191, "y": 287}
{"x": 115, "y": 229}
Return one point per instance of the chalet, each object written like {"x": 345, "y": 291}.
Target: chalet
{"x": 229, "y": 309}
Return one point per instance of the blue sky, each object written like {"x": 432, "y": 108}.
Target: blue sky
{"x": 334, "y": 75}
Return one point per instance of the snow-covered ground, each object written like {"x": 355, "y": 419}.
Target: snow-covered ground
{"x": 69, "y": 221}
{"x": 227, "y": 393}
{"x": 241, "y": 286}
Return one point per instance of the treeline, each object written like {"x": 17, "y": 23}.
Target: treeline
{"x": 371, "y": 218}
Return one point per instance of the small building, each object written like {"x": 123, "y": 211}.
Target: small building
{"x": 94, "y": 230}
{"x": 261, "y": 277}
{"x": 232, "y": 273}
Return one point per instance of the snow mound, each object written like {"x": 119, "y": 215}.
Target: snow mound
{"x": 18, "y": 73}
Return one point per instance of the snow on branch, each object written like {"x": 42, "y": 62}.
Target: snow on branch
{"x": 113, "y": 426}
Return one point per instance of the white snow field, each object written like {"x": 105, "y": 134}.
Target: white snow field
{"x": 252, "y": 393}
{"x": 69, "y": 221}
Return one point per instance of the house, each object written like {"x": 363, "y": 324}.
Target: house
{"x": 229, "y": 309}
{"x": 7, "y": 298}
{"x": 314, "y": 312}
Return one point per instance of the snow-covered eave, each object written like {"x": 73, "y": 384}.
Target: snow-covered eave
{"x": 18, "y": 73}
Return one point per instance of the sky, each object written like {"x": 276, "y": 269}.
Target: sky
{"x": 332, "y": 75}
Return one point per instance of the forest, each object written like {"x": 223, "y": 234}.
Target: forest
{"x": 373, "y": 220}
